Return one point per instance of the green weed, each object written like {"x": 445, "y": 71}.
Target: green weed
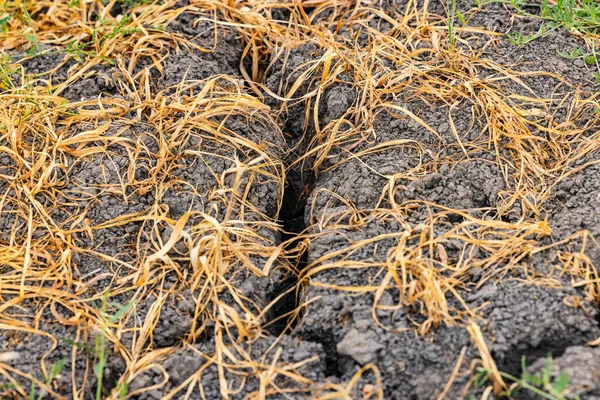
{"x": 582, "y": 15}
{"x": 7, "y": 70}
{"x": 101, "y": 359}
{"x": 589, "y": 58}
{"x": 454, "y": 13}
{"x": 578, "y": 53}
{"x": 55, "y": 370}
{"x": 516, "y": 4}
{"x": 123, "y": 389}
{"x": 4, "y": 22}
{"x": 108, "y": 29}
{"x": 542, "y": 385}
{"x": 35, "y": 45}
{"x": 100, "y": 341}
{"x": 572, "y": 55}
{"x": 117, "y": 30}
{"x": 452, "y": 7}
{"x": 519, "y": 39}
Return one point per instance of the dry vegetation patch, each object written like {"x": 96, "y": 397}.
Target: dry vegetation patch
{"x": 316, "y": 199}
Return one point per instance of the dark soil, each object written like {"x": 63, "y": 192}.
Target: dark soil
{"x": 338, "y": 331}
{"x": 183, "y": 363}
{"x": 580, "y": 363}
{"x": 53, "y": 344}
{"x": 517, "y": 320}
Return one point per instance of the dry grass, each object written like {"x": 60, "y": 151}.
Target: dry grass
{"x": 227, "y": 236}
{"x": 222, "y": 239}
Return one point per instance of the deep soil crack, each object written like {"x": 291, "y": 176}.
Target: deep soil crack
{"x": 292, "y": 220}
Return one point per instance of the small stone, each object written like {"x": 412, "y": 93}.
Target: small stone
{"x": 485, "y": 293}
{"x": 401, "y": 366}
{"x": 363, "y": 324}
{"x": 362, "y": 347}
{"x": 9, "y": 356}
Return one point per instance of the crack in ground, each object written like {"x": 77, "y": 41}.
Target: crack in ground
{"x": 291, "y": 218}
